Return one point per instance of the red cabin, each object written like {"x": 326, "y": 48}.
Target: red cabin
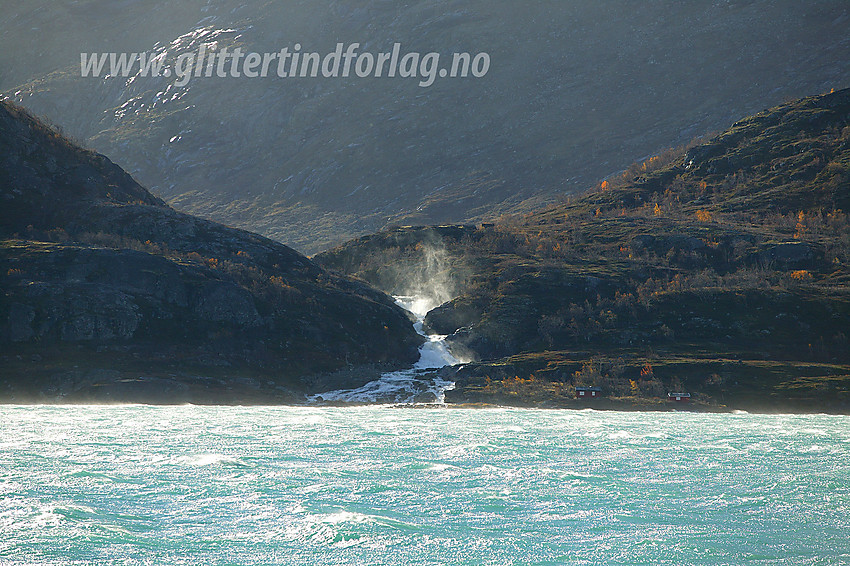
{"x": 588, "y": 392}
{"x": 679, "y": 397}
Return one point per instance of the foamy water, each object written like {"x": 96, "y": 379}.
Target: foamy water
{"x": 418, "y": 384}
{"x": 385, "y": 486}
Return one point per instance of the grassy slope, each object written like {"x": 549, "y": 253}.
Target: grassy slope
{"x": 721, "y": 269}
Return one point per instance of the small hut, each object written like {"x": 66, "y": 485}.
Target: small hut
{"x": 679, "y": 397}
{"x": 588, "y": 392}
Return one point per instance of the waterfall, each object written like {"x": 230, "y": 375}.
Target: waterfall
{"x": 419, "y": 384}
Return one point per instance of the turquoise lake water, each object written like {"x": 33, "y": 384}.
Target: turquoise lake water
{"x": 381, "y": 485}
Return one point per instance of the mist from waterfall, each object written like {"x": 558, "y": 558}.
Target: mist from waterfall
{"x": 428, "y": 284}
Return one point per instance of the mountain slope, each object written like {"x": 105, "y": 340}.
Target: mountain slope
{"x": 576, "y": 90}
{"x": 722, "y": 270}
{"x": 109, "y": 294}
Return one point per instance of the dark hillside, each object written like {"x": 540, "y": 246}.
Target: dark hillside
{"x": 576, "y": 90}
{"x": 109, "y": 294}
{"x": 722, "y": 269}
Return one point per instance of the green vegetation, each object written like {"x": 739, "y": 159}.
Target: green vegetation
{"x": 723, "y": 267}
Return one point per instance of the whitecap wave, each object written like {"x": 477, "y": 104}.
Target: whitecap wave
{"x": 209, "y": 460}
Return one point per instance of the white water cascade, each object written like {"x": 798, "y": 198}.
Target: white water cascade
{"x": 418, "y": 384}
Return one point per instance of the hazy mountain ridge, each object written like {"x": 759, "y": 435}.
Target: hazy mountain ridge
{"x": 109, "y": 294}
{"x": 575, "y": 91}
{"x": 722, "y": 270}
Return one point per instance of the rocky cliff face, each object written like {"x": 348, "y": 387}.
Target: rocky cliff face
{"x": 109, "y": 294}
{"x": 576, "y": 91}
